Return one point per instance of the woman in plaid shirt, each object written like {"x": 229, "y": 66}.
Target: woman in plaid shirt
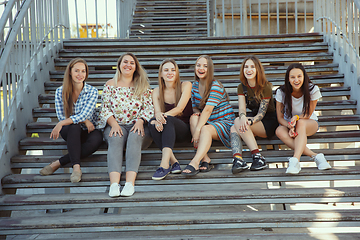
{"x": 75, "y": 104}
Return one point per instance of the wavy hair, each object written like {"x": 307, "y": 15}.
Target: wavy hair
{"x": 260, "y": 77}
{"x": 140, "y": 78}
{"x": 162, "y": 85}
{"x": 305, "y": 88}
{"x": 68, "y": 85}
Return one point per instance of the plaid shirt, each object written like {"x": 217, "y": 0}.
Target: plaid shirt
{"x": 83, "y": 109}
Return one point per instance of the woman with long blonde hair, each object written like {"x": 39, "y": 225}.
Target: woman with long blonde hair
{"x": 172, "y": 104}
{"x": 75, "y": 103}
{"x": 126, "y": 107}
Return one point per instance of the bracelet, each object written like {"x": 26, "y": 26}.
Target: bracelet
{"x": 297, "y": 117}
{"x": 143, "y": 119}
{"x": 242, "y": 114}
{"x": 251, "y": 121}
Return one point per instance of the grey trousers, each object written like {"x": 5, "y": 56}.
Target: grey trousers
{"x": 133, "y": 143}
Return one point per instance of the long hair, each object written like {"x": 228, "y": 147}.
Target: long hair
{"x": 162, "y": 85}
{"x": 305, "y": 88}
{"x": 140, "y": 78}
{"x": 260, "y": 77}
{"x": 68, "y": 85}
{"x": 208, "y": 79}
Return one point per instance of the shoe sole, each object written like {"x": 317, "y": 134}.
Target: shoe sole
{"x": 259, "y": 168}
{"x": 160, "y": 178}
{"x": 114, "y": 196}
{"x": 238, "y": 170}
{"x": 176, "y": 171}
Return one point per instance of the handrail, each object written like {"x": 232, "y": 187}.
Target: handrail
{"x": 33, "y": 40}
{"x": 342, "y": 34}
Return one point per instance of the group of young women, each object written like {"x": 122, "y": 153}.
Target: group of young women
{"x": 131, "y": 115}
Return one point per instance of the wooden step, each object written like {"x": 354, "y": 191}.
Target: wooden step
{"x": 151, "y": 156}
{"x": 44, "y": 143}
{"x": 183, "y": 221}
{"x": 249, "y": 40}
{"x": 190, "y": 61}
{"x": 144, "y": 183}
{"x": 319, "y": 69}
{"x": 193, "y": 197}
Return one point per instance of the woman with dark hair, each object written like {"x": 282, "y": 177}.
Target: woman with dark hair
{"x": 75, "y": 103}
{"x": 126, "y": 107}
{"x": 295, "y": 105}
{"x": 172, "y": 104}
{"x": 254, "y": 93}
{"x": 213, "y": 115}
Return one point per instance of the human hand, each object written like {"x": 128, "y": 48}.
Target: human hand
{"x": 115, "y": 130}
{"x": 55, "y": 133}
{"x": 138, "y": 127}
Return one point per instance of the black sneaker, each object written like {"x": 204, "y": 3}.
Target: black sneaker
{"x": 258, "y": 163}
{"x": 238, "y": 165}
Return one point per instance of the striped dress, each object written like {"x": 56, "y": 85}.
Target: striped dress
{"x": 222, "y": 116}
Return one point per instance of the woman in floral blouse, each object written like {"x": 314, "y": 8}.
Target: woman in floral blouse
{"x": 126, "y": 106}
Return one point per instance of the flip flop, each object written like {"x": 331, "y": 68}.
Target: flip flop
{"x": 207, "y": 166}
{"x": 192, "y": 172}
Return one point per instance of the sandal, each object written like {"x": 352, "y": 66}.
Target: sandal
{"x": 192, "y": 172}
{"x": 207, "y": 167}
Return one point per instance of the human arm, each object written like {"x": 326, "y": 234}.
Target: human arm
{"x": 55, "y": 133}
{"x": 204, "y": 116}
{"x": 145, "y": 114}
{"x": 244, "y": 123}
{"x": 85, "y": 104}
{"x": 184, "y": 99}
{"x": 280, "y": 116}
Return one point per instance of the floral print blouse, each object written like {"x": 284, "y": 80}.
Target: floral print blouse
{"x": 124, "y": 105}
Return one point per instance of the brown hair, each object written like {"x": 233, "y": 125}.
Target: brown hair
{"x": 162, "y": 84}
{"x": 260, "y": 77}
{"x": 68, "y": 85}
{"x": 209, "y": 78}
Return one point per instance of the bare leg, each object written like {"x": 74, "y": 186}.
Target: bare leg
{"x": 248, "y": 136}
{"x": 283, "y": 134}
{"x": 114, "y": 177}
{"x": 166, "y": 156}
{"x": 131, "y": 176}
{"x": 208, "y": 132}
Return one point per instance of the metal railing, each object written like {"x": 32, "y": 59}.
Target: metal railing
{"x": 101, "y": 18}
{"x": 31, "y": 34}
{"x": 256, "y": 17}
{"x": 338, "y": 21}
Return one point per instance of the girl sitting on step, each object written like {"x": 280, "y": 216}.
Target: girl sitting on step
{"x": 254, "y": 93}
{"x": 75, "y": 104}
{"x": 125, "y": 109}
{"x": 295, "y": 105}
{"x": 213, "y": 115}
{"x": 172, "y": 104}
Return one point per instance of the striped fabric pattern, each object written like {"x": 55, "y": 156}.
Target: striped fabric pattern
{"x": 222, "y": 116}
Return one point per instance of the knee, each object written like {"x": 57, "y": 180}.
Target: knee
{"x": 194, "y": 120}
{"x": 74, "y": 127}
{"x": 301, "y": 124}
{"x": 281, "y": 132}
{"x": 233, "y": 129}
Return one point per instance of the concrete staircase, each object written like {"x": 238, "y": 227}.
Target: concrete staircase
{"x": 217, "y": 205}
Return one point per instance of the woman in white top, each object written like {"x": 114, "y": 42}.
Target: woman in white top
{"x": 295, "y": 105}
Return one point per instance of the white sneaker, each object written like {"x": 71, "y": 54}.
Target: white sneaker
{"x": 321, "y": 162}
{"x": 128, "y": 190}
{"x": 294, "y": 166}
{"x": 114, "y": 190}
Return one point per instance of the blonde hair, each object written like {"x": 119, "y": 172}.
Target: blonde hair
{"x": 162, "y": 85}
{"x": 140, "y": 78}
{"x": 68, "y": 85}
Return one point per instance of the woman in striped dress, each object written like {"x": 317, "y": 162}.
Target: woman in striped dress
{"x": 213, "y": 115}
